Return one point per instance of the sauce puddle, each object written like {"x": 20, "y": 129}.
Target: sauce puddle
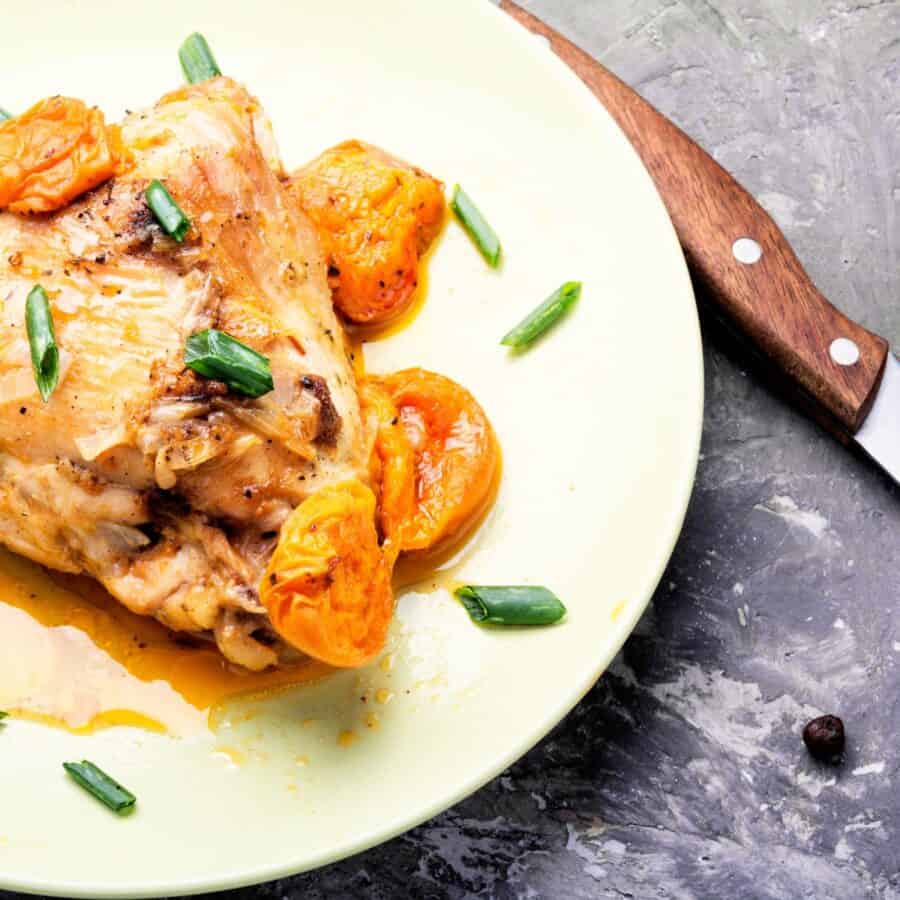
{"x": 81, "y": 661}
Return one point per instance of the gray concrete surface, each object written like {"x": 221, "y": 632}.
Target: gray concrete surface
{"x": 682, "y": 774}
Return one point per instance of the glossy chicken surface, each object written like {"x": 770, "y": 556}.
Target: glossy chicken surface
{"x": 165, "y": 486}
{"x": 269, "y": 525}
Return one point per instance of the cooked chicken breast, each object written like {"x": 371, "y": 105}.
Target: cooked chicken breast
{"x": 167, "y": 487}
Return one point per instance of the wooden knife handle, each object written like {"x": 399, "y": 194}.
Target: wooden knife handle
{"x": 771, "y": 300}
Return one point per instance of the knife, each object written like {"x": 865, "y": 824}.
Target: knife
{"x": 846, "y": 376}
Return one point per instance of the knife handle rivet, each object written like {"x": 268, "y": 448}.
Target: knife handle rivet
{"x": 746, "y": 251}
{"x": 844, "y": 352}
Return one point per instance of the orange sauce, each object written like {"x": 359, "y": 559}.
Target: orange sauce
{"x": 80, "y": 660}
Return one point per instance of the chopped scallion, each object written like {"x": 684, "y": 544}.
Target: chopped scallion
{"x": 505, "y": 605}
{"x": 168, "y": 213}
{"x": 42, "y": 340}
{"x": 96, "y": 782}
{"x": 217, "y": 355}
{"x": 477, "y": 226}
{"x": 197, "y": 60}
{"x": 3, "y": 715}
{"x": 544, "y": 317}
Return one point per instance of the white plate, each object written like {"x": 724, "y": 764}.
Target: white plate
{"x": 600, "y": 427}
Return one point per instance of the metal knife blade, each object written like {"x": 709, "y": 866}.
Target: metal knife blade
{"x": 880, "y": 432}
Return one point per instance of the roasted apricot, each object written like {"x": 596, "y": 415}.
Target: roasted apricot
{"x": 375, "y": 215}
{"x": 327, "y": 586}
{"x": 456, "y": 456}
{"x": 53, "y": 153}
{"x": 393, "y": 465}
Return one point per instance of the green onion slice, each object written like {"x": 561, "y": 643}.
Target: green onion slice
{"x": 197, "y": 60}
{"x": 4, "y": 115}
{"x": 504, "y": 605}
{"x": 42, "y": 339}
{"x": 477, "y": 226}
{"x": 544, "y": 317}
{"x": 217, "y": 355}
{"x": 96, "y": 782}
{"x": 3, "y": 715}
{"x": 168, "y": 213}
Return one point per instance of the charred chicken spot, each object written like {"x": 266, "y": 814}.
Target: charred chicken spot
{"x": 167, "y": 505}
{"x": 141, "y": 218}
{"x": 139, "y": 227}
{"x": 188, "y": 385}
{"x": 151, "y": 532}
{"x": 333, "y": 271}
{"x": 329, "y": 426}
{"x": 264, "y": 636}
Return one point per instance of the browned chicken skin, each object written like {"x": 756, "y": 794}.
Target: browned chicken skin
{"x": 270, "y": 525}
{"x": 166, "y": 487}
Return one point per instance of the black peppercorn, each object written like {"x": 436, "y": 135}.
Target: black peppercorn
{"x": 824, "y": 738}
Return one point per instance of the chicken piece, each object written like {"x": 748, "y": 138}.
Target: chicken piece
{"x": 376, "y": 216}
{"x": 165, "y": 486}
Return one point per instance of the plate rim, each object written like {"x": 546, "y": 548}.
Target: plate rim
{"x": 623, "y": 626}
